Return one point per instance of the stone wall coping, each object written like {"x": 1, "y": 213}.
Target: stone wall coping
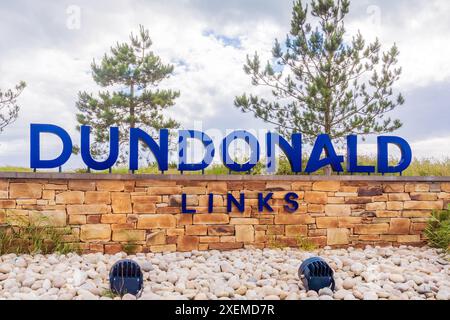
{"x": 192, "y": 177}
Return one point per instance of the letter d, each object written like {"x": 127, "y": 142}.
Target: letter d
{"x": 35, "y": 141}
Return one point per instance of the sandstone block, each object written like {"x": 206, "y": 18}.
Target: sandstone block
{"x": 48, "y": 218}
{"x": 244, "y": 221}
{"x": 184, "y": 219}
{"x": 221, "y": 231}
{"x": 88, "y": 209}
{"x": 121, "y": 202}
{"x": 245, "y": 233}
{"x": 187, "y": 243}
{"x": 175, "y": 200}
{"x": 164, "y": 190}
{"x": 81, "y": 185}
{"x": 224, "y": 246}
{"x": 416, "y": 214}
{"x": 388, "y": 214}
{"x": 217, "y": 187}
{"x": 70, "y": 197}
{"x": 378, "y": 228}
{"x": 113, "y": 248}
{"x": 409, "y": 238}
{"x": 376, "y": 206}
{"x": 291, "y": 219}
{"x": 175, "y": 232}
{"x": 196, "y": 230}
{"x": 445, "y": 187}
{"x": 194, "y": 190}
{"x": 144, "y": 204}
{"x": 296, "y": 231}
{"x": 94, "y": 219}
{"x": 48, "y": 194}
{"x": 110, "y": 185}
{"x": 278, "y": 186}
{"x": 394, "y": 187}
{"x": 399, "y": 197}
{"x": 95, "y": 232}
{"x": 338, "y": 210}
{"x": 337, "y": 237}
{"x": 394, "y": 205}
{"x": 327, "y": 222}
{"x": 7, "y": 204}
{"x": 399, "y": 226}
{"x": 210, "y": 219}
{"x": 156, "y": 238}
{"x": 98, "y": 197}
{"x": 25, "y": 191}
{"x": 424, "y": 205}
{"x": 370, "y": 191}
{"x": 164, "y": 248}
{"x": 156, "y": 221}
{"x": 330, "y": 186}
{"x": 316, "y": 197}
{"x": 420, "y": 196}
{"x": 76, "y": 219}
{"x": 114, "y": 218}
{"x": 128, "y": 235}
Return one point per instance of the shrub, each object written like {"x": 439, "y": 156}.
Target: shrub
{"x": 438, "y": 230}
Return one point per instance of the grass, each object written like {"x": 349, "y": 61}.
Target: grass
{"x": 438, "y": 230}
{"x": 418, "y": 168}
{"x": 302, "y": 243}
{"x": 37, "y": 237}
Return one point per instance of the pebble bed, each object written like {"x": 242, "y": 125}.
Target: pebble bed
{"x": 404, "y": 273}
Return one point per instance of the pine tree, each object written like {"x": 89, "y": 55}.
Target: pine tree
{"x": 135, "y": 72}
{"x": 9, "y": 110}
{"x": 323, "y": 84}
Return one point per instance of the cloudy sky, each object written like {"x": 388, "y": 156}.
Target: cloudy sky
{"x": 50, "y": 44}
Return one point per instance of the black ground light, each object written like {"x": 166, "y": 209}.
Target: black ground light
{"x": 316, "y": 274}
{"x": 126, "y": 277}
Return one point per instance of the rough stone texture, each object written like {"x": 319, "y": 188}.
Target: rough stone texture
{"x": 110, "y": 211}
{"x": 370, "y": 273}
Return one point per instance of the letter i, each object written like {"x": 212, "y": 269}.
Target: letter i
{"x": 210, "y": 203}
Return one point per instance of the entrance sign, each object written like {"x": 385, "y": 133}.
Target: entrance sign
{"x": 160, "y": 150}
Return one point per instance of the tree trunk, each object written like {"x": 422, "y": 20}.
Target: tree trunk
{"x": 132, "y": 112}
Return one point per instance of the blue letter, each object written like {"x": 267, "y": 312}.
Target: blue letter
{"x": 239, "y": 204}
{"x": 254, "y": 146}
{"x": 293, "y": 153}
{"x": 184, "y": 135}
{"x": 184, "y": 208}
{"x": 160, "y": 152}
{"x": 264, "y": 202}
{"x": 352, "y": 157}
{"x": 323, "y": 143}
{"x": 290, "y": 198}
{"x": 86, "y": 149}
{"x": 383, "y": 157}
{"x": 35, "y": 157}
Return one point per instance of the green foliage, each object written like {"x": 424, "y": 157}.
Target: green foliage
{"x": 322, "y": 83}
{"x": 438, "y": 230}
{"x": 109, "y": 294}
{"x": 24, "y": 237}
{"x": 302, "y": 243}
{"x": 418, "y": 168}
{"x": 139, "y": 104}
{"x": 9, "y": 110}
{"x": 305, "y": 244}
{"x": 130, "y": 248}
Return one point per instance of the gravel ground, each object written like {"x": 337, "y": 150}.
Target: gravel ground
{"x": 373, "y": 273}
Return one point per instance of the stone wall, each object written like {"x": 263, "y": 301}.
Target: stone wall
{"x": 109, "y": 213}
